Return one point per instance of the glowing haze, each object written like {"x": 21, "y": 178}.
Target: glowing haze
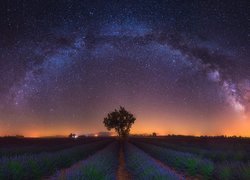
{"x": 180, "y": 67}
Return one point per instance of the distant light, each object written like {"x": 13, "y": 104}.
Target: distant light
{"x": 96, "y": 135}
{"x": 75, "y": 136}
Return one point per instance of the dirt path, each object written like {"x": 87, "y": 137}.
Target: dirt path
{"x": 122, "y": 173}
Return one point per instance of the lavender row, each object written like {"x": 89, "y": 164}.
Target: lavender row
{"x": 142, "y": 166}
{"x": 184, "y": 162}
{"x": 102, "y": 165}
{"x": 232, "y": 170}
{"x": 216, "y": 155}
{"x": 36, "y": 146}
{"x": 223, "y": 170}
{"x": 44, "y": 164}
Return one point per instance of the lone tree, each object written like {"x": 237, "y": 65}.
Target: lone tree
{"x": 121, "y": 120}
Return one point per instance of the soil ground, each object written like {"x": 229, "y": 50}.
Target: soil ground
{"x": 122, "y": 173}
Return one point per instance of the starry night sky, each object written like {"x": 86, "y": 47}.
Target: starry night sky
{"x": 181, "y": 67}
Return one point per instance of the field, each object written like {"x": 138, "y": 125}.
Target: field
{"x": 170, "y": 157}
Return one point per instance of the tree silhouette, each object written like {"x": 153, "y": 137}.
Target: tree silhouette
{"x": 154, "y": 134}
{"x": 121, "y": 120}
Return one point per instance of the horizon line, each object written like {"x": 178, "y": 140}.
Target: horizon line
{"x": 136, "y": 134}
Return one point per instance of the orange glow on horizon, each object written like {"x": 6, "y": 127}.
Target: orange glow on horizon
{"x": 239, "y": 127}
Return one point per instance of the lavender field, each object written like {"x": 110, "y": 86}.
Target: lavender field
{"x": 124, "y": 90}
{"x": 137, "y": 158}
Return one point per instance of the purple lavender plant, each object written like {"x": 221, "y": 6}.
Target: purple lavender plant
{"x": 143, "y": 167}
{"x": 31, "y": 166}
{"x": 185, "y": 162}
{"x": 102, "y": 165}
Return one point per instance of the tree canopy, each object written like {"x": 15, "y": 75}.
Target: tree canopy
{"x": 121, "y": 120}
